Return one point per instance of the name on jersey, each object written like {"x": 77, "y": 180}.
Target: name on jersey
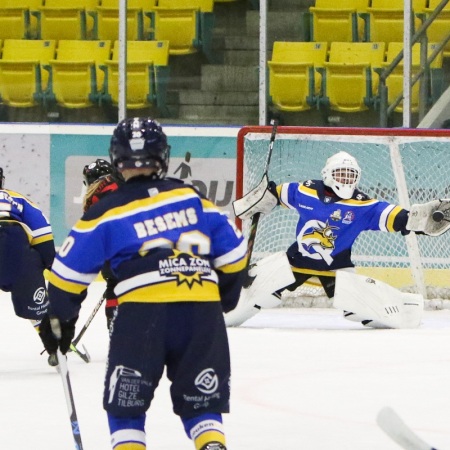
{"x": 165, "y": 222}
{"x": 9, "y": 199}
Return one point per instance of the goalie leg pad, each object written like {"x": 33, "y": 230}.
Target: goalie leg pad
{"x": 268, "y": 275}
{"x": 382, "y": 305}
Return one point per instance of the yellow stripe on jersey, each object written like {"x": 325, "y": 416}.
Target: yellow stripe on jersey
{"x": 324, "y": 273}
{"x": 135, "y": 207}
{"x": 234, "y": 267}
{"x": 308, "y": 191}
{"x": 69, "y": 286}
{"x": 41, "y": 239}
{"x": 173, "y": 291}
{"x": 391, "y": 217}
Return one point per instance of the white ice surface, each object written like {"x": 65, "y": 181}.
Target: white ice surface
{"x": 302, "y": 379}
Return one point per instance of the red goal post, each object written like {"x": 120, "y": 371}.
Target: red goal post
{"x": 401, "y": 166}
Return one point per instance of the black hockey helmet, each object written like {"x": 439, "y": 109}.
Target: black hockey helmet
{"x": 95, "y": 170}
{"x": 2, "y": 179}
{"x": 140, "y": 143}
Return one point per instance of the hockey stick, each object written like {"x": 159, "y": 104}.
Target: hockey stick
{"x": 391, "y": 423}
{"x": 73, "y": 347}
{"x": 256, "y": 216}
{"x": 64, "y": 372}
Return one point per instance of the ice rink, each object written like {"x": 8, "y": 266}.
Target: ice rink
{"x": 302, "y": 379}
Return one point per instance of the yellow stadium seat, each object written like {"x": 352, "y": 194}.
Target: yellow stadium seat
{"x": 337, "y": 20}
{"x": 60, "y": 19}
{"x": 293, "y": 81}
{"x": 22, "y": 78}
{"x": 15, "y": 19}
{"x": 394, "y": 81}
{"x": 350, "y": 80}
{"x": 139, "y": 23}
{"x": 186, "y": 24}
{"x": 147, "y": 73}
{"x": 440, "y": 28}
{"x": 107, "y": 17}
{"x": 385, "y": 22}
{"x": 76, "y": 75}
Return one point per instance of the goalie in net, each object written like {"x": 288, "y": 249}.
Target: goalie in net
{"x": 332, "y": 214}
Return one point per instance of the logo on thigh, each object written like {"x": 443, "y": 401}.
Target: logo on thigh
{"x": 39, "y": 296}
{"x": 207, "y": 381}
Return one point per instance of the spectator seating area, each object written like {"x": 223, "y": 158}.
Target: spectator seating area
{"x": 56, "y": 53}
{"x": 79, "y": 74}
{"x": 351, "y": 42}
{"x": 343, "y": 76}
{"x": 187, "y": 24}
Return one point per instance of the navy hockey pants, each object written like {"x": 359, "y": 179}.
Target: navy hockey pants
{"x": 188, "y": 338}
{"x": 22, "y": 272}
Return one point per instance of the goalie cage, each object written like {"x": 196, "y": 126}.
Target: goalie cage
{"x": 400, "y": 166}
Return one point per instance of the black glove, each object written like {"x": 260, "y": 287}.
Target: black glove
{"x": 55, "y": 333}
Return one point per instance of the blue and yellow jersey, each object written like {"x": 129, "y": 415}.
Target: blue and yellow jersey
{"x": 328, "y": 225}
{"x": 18, "y": 208}
{"x": 164, "y": 243}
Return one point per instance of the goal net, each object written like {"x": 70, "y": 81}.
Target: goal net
{"x": 402, "y": 167}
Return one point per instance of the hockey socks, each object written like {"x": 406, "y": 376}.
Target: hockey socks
{"x": 206, "y": 431}
{"x": 127, "y": 433}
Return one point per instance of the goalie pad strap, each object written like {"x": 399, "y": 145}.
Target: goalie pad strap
{"x": 258, "y": 200}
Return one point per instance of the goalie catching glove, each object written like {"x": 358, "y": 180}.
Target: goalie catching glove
{"x": 432, "y": 218}
{"x": 55, "y": 333}
{"x": 262, "y": 199}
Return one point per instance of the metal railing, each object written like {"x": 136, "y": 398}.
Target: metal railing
{"x": 425, "y": 62}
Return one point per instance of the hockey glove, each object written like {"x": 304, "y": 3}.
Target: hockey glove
{"x": 55, "y": 333}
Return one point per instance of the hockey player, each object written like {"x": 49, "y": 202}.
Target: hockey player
{"x": 26, "y": 249}
{"x": 333, "y": 212}
{"x": 180, "y": 264}
{"x": 100, "y": 178}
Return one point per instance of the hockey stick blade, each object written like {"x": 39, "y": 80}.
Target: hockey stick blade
{"x": 84, "y": 356}
{"x": 391, "y": 423}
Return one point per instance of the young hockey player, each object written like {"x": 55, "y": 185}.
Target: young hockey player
{"x": 333, "y": 212}
{"x": 26, "y": 249}
{"x": 100, "y": 178}
{"x": 180, "y": 264}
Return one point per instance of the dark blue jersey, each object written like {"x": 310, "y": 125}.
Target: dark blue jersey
{"x": 328, "y": 225}
{"x": 164, "y": 243}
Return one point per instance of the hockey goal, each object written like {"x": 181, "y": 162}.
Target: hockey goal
{"x": 400, "y": 166}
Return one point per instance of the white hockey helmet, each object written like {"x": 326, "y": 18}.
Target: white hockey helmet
{"x": 342, "y": 174}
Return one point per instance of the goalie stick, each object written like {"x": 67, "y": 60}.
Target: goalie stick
{"x": 255, "y": 218}
{"x": 64, "y": 372}
{"x": 391, "y": 423}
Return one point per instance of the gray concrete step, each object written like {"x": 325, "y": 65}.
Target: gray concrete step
{"x": 219, "y": 78}
{"x": 193, "y": 97}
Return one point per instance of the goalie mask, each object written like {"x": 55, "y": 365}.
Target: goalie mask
{"x": 342, "y": 174}
{"x": 140, "y": 143}
{"x": 92, "y": 172}
{"x": 2, "y": 179}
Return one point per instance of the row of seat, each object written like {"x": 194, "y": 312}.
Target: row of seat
{"x": 343, "y": 76}
{"x": 187, "y": 24}
{"x": 374, "y": 20}
{"x": 79, "y": 74}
